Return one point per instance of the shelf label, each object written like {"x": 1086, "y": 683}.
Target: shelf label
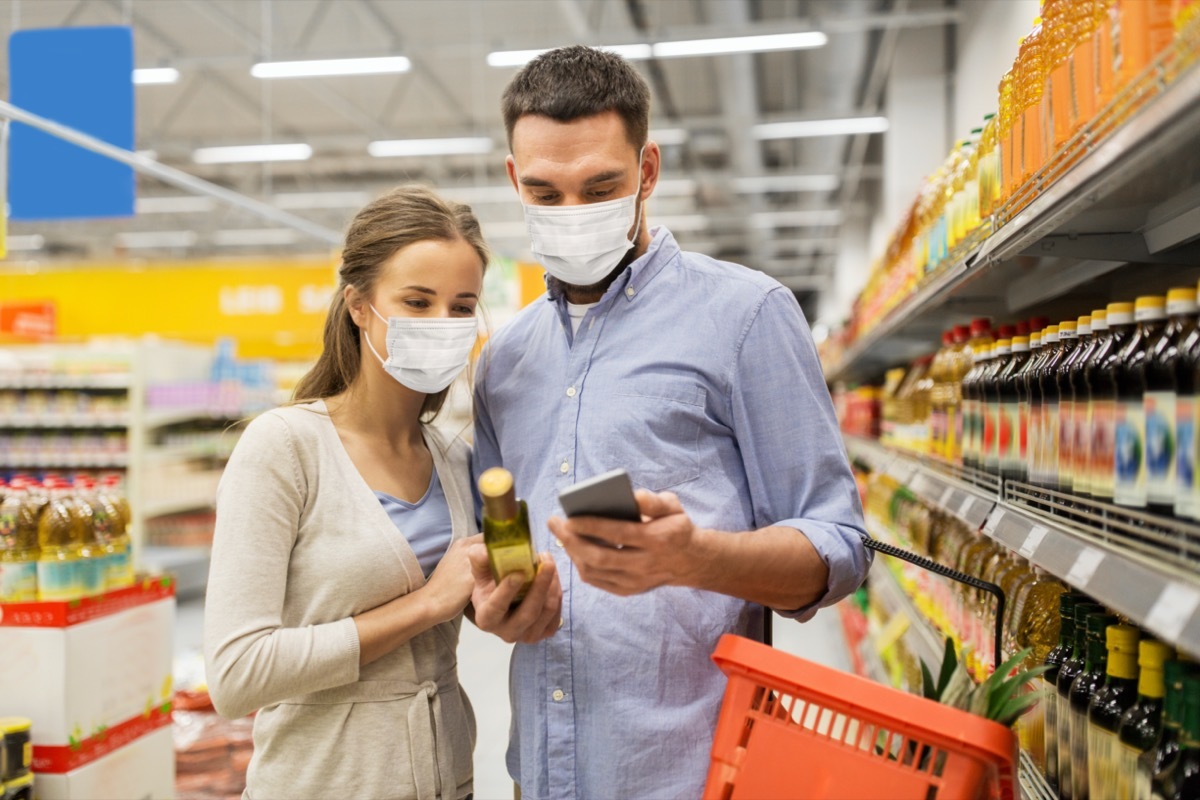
{"x": 993, "y": 522}
{"x": 1032, "y": 541}
{"x": 1085, "y": 566}
{"x": 946, "y": 495}
{"x": 965, "y": 507}
{"x": 1174, "y": 608}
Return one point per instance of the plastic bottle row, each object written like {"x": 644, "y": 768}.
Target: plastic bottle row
{"x": 62, "y": 541}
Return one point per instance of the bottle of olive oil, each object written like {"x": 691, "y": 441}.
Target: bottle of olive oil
{"x": 1181, "y": 781}
{"x": 1108, "y": 705}
{"x": 1087, "y": 684}
{"x": 1164, "y": 754}
{"x": 506, "y": 528}
{"x": 1070, "y": 670}
{"x": 1141, "y": 725}
{"x": 1054, "y": 660}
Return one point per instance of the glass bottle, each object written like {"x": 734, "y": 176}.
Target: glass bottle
{"x": 1100, "y": 374}
{"x": 1109, "y": 704}
{"x": 991, "y": 402}
{"x": 1071, "y": 669}
{"x": 1062, "y": 342}
{"x": 1186, "y": 506}
{"x": 1087, "y": 684}
{"x": 1159, "y": 406}
{"x": 1037, "y": 627}
{"x": 1011, "y": 464}
{"x": 1162, "y": 757}
{"x": 1142, "y": 724}
{"x": 1181, "y": 781}
{"x": 1054, "y": 660}
{"x": 1067, "y": 417}
{"x": 1080, "y": 471}
{"x": 1129, "y": 488}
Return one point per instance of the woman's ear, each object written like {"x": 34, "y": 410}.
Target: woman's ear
{"x": 357, "y": 305}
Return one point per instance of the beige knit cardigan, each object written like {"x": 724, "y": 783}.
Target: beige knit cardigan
{"x": 302, "y": 544}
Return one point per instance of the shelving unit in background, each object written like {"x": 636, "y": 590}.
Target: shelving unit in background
{"x": 170, "y": 451}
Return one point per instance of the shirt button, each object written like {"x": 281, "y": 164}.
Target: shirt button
{"x": 560, "y": 622}
{"x": 558, "y": 695}
{"x": 564, "y": 467}
{"x": 630, "y": 292}
{"x": 571, "y": 391}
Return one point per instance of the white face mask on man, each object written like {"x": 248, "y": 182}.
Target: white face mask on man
{"x": 581, "y": 245}
{"x": 426, "y": 355}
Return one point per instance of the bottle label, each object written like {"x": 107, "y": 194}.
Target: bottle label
{"x": 119, "y": 573}
{"x": 1023, "y": 431}
{"x": 1079, "y": 754}
{"x": 57, "y": 580}
{"x": 1104, "y": 419}
{"x": 1050, "y": 444}
{"x": 1082, "y": 473}
{"x": 1126, "y": 769}
{"x": 1034, "y": 464}
{"x": 1064, "y": 746}
{"x": 1130, "y": 459}
{"x": 1104, "y": 752}
{"x": 954, "y": 426}
{"x": 990, "y": 426}
{"x": 1159, "y": 409}
{"x": 1144, "y": 779}
{"x": 968, "y": 429}
{"x": 93, "y": 573}
{"x": 1050, "y": 701}
{"x": 1066, "y": 443}
{"x": 513, "y": 558}
{"x": 1010, "y": 449}
{"x": 1185, "y": 455}
{"x": 18, "y": 581}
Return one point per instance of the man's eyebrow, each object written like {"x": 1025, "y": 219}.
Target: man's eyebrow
{"x": 603, "y": 177}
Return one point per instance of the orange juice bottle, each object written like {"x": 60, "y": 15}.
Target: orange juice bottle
{"x": 1004, "y": 134}
{"x": 1033, "y": 81}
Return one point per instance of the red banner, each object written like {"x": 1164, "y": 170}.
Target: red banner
{"x": 62, "y": 614}
{"x": 60, "y": 759}
{"x": 29, "y": 320}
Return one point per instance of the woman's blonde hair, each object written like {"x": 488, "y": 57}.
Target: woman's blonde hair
{"x": 405, "y": 215}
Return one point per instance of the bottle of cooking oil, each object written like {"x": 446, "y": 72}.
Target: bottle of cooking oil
{"x": 92, "y": 564}
{"x": 1159, "y": 403}
{"x": 99, "y": 525}
{"x": 1071, "y": 669}
{"x": 1082, "y": 690}
{"x": 18, "y": 545}
{"x": 1100, "y": 374}
{"x": 1051, "y": 416}
{"x": 1039, "y": 406}
{"x": 58, "y": 572}
{"x": 1037, "y": 628}
{"x": 1160, "y": 758}
{"x": 1033, "y": 82}
{"x": 1186, "y": 494}
{"x": 939, "y": 375}
{"x": 1129, "y": 488}
{"x": 958, "y": 365}
{"x": 1011, "y": 465}
{"x": 1108, "y": 705}
{"x": 1054, "y": 661}
{"x": 118, "y": 546}
{"x": 1082, "y": 449}
{"x": 1057, "y": 93}
{"x": 1005, "y": 137}
{"x": 1142, "y": 725}
{"x": 1069, "y": 419}
{"x": 1025, "y": 406}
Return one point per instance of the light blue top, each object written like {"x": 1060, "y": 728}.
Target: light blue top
{"x": 700, "y": 377}
{"x": 425, "y": 523}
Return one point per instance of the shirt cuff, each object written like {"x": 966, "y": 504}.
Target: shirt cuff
{"x": 844, "y": 555}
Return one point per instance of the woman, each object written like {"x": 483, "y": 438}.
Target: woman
{"x": 339, "y": 569}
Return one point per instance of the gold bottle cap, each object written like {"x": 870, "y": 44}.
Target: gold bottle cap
{"x": 495, "y": 482}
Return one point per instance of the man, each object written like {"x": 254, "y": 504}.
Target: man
{"x": 700, "y": 379}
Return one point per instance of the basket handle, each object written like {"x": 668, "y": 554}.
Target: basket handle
{"x": 953, "y": 574}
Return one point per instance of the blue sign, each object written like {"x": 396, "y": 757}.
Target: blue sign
{"x": 81, "y": 78}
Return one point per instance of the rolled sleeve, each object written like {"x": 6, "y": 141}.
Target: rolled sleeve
{"x": 796, "y": 467}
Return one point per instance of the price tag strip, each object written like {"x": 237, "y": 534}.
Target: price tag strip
{"x": 1030, "y": 545}
{"x": 1084, "y": 568}
{"x": 1173, "y": 610}
{"x": 993, "y": 522}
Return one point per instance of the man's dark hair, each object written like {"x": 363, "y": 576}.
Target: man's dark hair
{"x": 575, "y": 82}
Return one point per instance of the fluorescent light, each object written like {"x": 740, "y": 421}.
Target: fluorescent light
{"x": 34, "y": 241}
{"x": 184, "y": 204}
{"x": 800, "y": 129}
{"x": 796, "y": 219}
{"x": 155, "y": 75}
{"x": 251, "y": 237}
{"x": 519, "y": 58}
{"x": 331, "y": 66}
{"x": 155, "y": 239}
{"x": 786, "y": 183}
{"x": 740, "y": 44}
{"x": 151, "y": 154}
{"x": 321, "y": 199}
{"x": 252, "y": 152}
{"x": 468, "y": 145}
{"x": 669, "y": 136}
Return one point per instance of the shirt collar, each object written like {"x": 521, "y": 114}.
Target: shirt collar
{"x": 662, "y": 250}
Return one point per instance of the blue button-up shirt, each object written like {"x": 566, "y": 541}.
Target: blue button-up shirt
{"x": 697, "y": 376}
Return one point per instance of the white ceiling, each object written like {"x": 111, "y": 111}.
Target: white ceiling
{"x": 451, "y": 91}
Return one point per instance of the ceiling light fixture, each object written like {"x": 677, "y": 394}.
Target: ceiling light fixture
{"x": 800, "y": 129}
{"x": 801, "y": 40}
{"x": 33, "y": 241}
{"x": 320, "y": 199}
{"x": 133, "y": 240}
{"x": 796, "y": 219}
{"x": 151, "y": 76}
{"x": 331, "y": 66}
{"x": 467, "y": 145}
{"x": 184, "y": 204}
{"x": 254, "y": 237}
{"x": 785, "y": 183}
{"x": 252, "y": 153}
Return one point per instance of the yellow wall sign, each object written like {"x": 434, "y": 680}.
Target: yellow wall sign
{"x": 271, "y": 308}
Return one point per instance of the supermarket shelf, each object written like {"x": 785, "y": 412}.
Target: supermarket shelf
{"x": 64, "y": 462}
{"x": 1126, "y": 196}
{"x": 176, "y": 505}
{"x": 62, "y": 421}
{"x": 925, "y": 642}
{"x": 1033, "y": 783}
{"x": 119, "y": 380}
{"x": 189, "y": 565}
{"x": 1157, "y": 593}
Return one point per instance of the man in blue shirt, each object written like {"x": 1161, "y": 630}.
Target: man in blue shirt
{"x": 700, "y": 379}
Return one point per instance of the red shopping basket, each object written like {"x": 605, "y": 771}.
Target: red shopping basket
{"x": 790, "y": 728}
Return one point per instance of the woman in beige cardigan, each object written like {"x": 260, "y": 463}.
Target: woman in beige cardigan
{"x": 339, "y": 569}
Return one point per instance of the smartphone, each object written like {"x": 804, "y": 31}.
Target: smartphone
{"x": 609, "y": 495}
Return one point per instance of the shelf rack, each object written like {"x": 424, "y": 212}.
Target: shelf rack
{"x": 1121, "y": 192}
{"x": 1156, "y": 592}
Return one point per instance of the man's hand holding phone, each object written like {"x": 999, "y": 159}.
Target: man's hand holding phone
{"x": 622, "y": 556}
{"x": 538, "y": 615}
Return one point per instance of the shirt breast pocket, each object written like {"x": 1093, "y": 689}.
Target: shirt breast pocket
{"x": 655, "y": 432}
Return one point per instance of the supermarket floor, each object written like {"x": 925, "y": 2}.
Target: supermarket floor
{"x": 819, "y": 640}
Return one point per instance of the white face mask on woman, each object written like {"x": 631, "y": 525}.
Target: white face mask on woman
{"x": 426, "y": 355}
{"x": 581, "y": 245}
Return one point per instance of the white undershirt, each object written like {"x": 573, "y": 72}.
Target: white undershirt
{"x": 577, "y": 311}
